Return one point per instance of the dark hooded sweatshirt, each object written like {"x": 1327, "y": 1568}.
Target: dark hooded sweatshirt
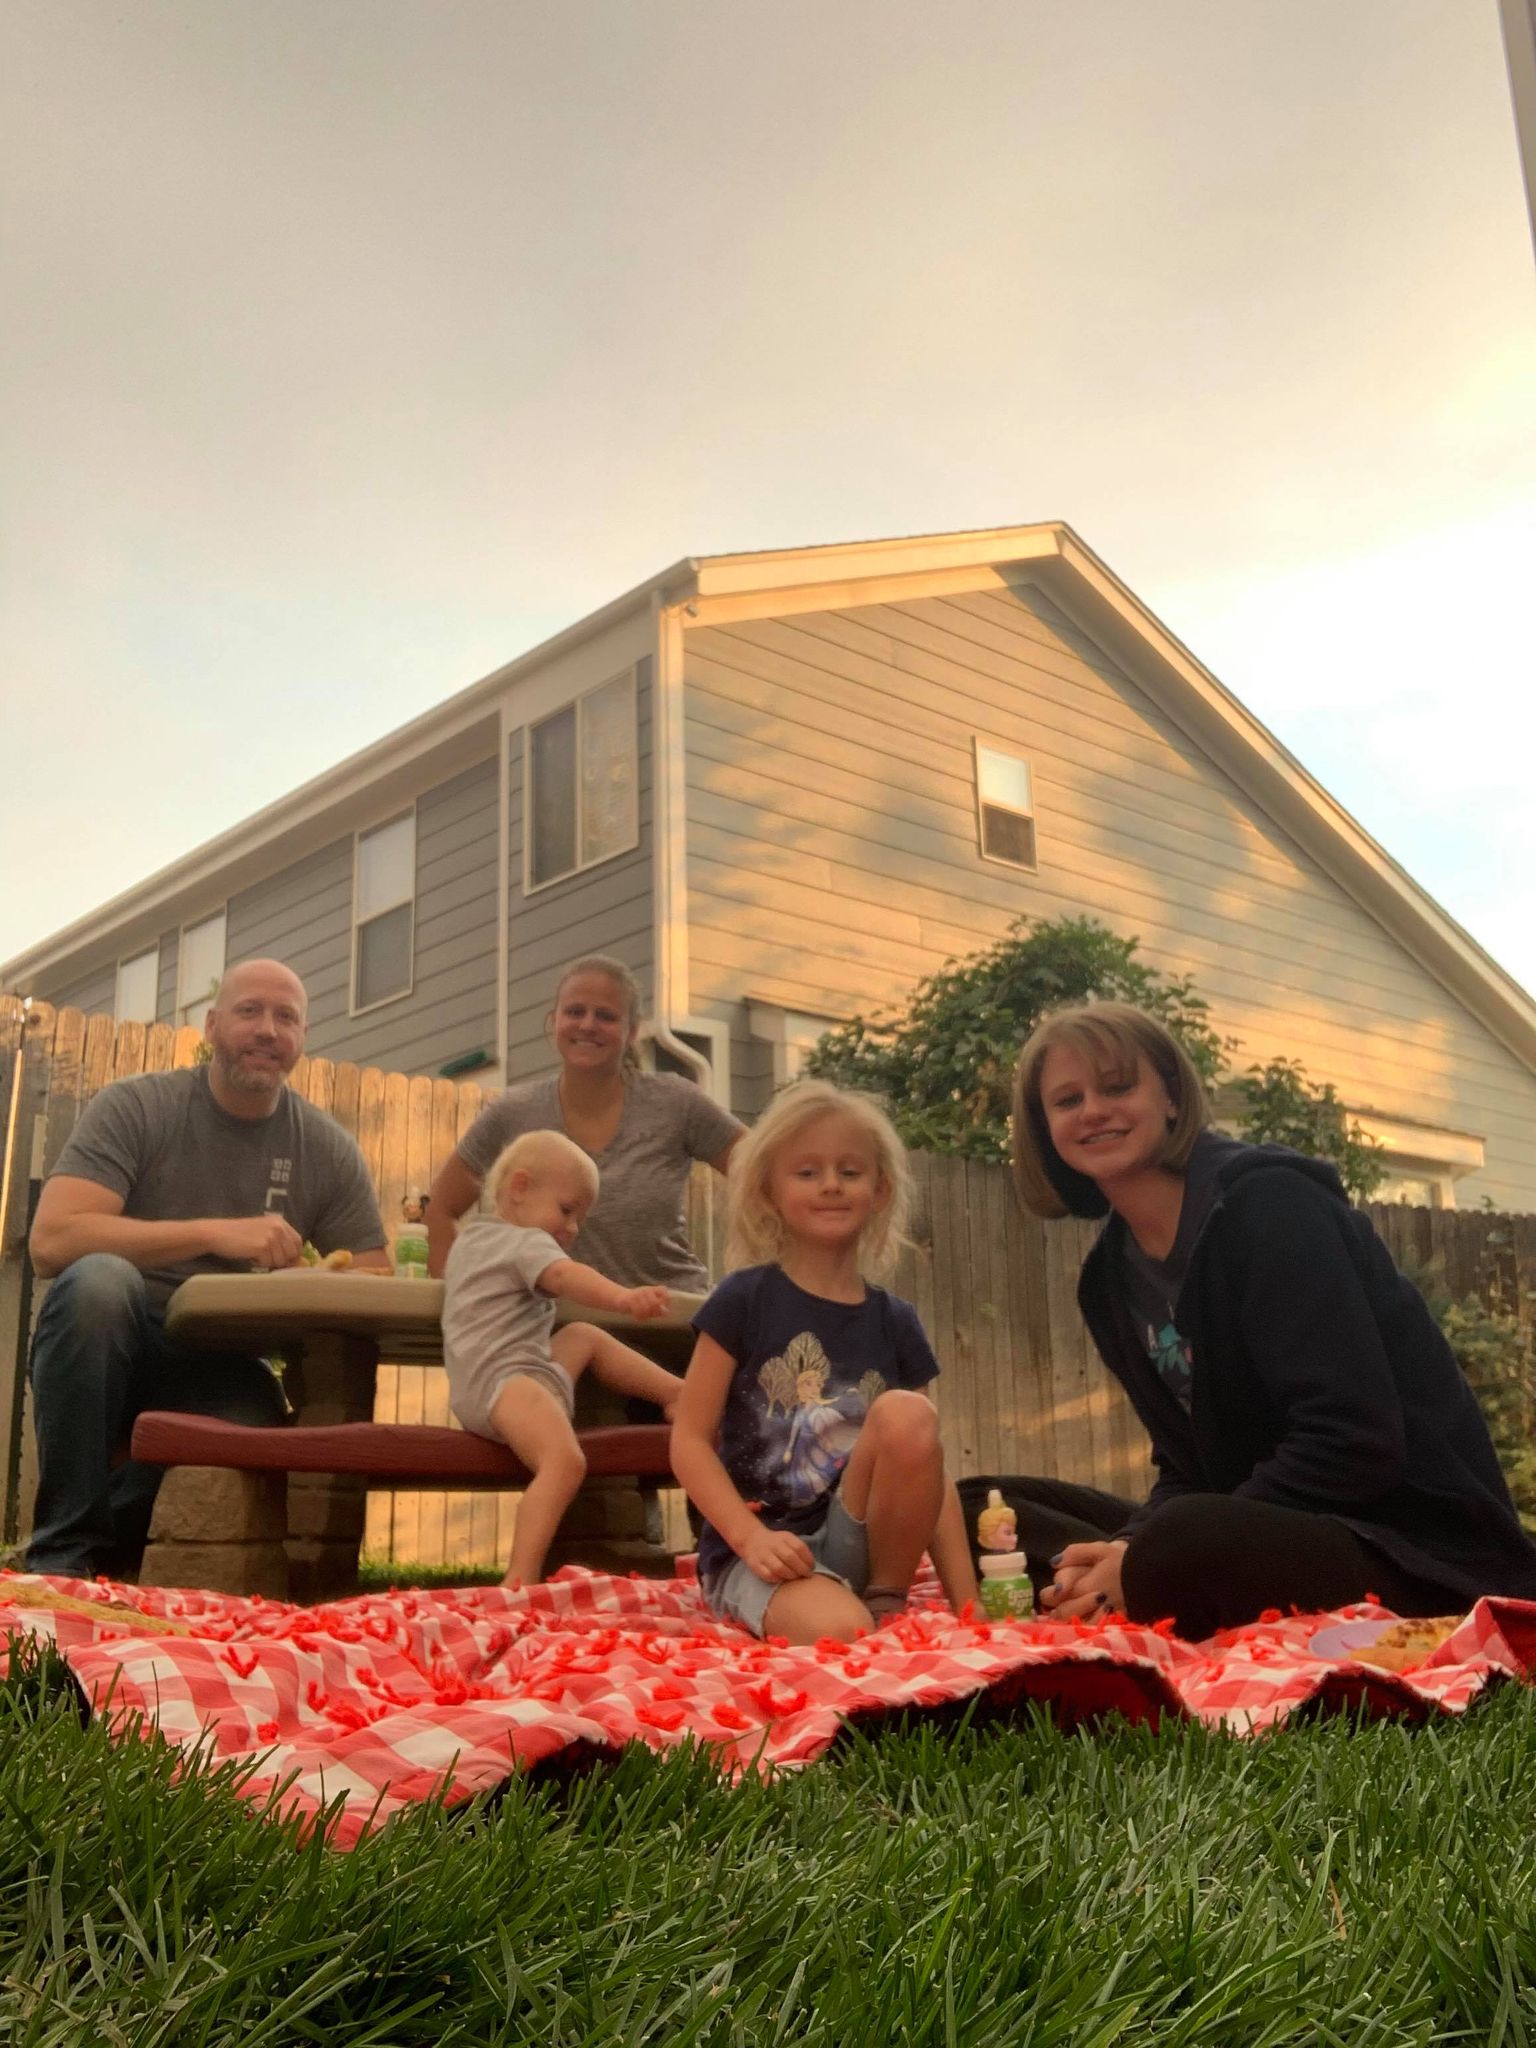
{"x": 1319, "y": 1379}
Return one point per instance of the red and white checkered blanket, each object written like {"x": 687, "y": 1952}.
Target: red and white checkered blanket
{"x": 383, "y": 1700}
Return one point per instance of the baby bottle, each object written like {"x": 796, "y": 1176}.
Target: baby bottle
{"x": 1005, "y": 1587}
{"x": 411, "y": 1239}
{"x": 996, "y": 1527}
{"x": 1006, "y": 1593}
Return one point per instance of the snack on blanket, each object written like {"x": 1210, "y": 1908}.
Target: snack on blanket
{"x": 1408, "y": 1643}
{"x": 13, "y": 1593}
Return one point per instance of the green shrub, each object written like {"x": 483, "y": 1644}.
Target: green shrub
{"x": 945, "y": 1065}
{"x": 1497, "y": 1352}
{"x": 1282, "y": 1107}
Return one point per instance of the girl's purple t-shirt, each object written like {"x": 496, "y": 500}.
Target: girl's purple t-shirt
{"x": 807, "y": 1371}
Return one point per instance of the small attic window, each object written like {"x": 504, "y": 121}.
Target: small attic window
{"x": 1005, "y": 808}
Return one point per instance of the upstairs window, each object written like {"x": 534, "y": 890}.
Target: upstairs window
{"x": 199, "y": 967}
{"x": 1005, "y": 808}
{"x": 384, "y": 912}
{"x": 138, "y": 988}
{"x": 583, "y": 783}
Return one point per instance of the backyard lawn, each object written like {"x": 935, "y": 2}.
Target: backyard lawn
{"x": 1332, "y": 1884}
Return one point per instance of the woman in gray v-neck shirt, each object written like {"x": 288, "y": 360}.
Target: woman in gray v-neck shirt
{"x": 648, "y": 1131}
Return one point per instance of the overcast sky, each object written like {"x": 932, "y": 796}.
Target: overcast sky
{"x": 350, "y": 347}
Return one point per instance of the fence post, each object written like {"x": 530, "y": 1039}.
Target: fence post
{"x": 25, "y": 1044}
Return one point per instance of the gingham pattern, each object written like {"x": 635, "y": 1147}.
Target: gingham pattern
{"x": 382, "y": 1700}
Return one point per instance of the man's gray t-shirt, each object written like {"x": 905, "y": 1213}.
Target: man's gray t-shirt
{"x": 636, "y": 1232}
{"x": 163, "y": 1144}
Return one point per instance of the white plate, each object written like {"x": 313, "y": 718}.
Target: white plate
{"x": 1346, "y": 1637}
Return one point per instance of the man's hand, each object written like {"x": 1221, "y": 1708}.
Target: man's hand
{"x": 645, "y": 1302}
{"x": 265, "y": 1241}
{"x": 776, "y": 1555}
{"x": 1087, "y": 1582}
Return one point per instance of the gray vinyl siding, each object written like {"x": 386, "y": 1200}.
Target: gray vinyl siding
{"x": 93, "y": 992}
{"x": 833, "y": 857}
{"x": 303, "y": 915}
{"x": 603, "y": 909}
{"x": 165, "y": 996}
{"x": 751, "y": 1074}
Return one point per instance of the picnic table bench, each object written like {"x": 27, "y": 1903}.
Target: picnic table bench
{"x": 281, "y": 1511}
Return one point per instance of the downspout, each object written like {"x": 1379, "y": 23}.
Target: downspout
{"x": 669, "y": 845}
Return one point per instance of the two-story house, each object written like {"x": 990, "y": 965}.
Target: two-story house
{"x": 785, "y": 786}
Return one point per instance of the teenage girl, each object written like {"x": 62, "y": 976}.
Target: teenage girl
{"x": 1314, "y": 1437}
{"x": 803, "y": 1435}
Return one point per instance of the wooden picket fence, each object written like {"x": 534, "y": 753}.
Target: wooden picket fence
{"x": 1021, "y": 1389}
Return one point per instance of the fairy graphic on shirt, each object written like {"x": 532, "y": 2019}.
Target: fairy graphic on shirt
{"x": 1175, "y": 1363}
{"x": 809, "y": 1432}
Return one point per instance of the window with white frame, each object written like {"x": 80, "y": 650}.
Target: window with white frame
{"x": 1005, "y": 807}
{"x": 384, "y": 912}
{"x": 199, "y": 967}
{"x": 583, "y": 783}
{"x": 138, "y": 988}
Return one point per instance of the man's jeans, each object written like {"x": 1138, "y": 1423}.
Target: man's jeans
{"x": 99, "y": 1358}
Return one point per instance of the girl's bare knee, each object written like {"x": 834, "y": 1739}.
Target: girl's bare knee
{"x": 805, "y": 1610}
{"x": 906, "y": 1421}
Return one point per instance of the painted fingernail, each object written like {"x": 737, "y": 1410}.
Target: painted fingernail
{"x": 1058, "y": 1557}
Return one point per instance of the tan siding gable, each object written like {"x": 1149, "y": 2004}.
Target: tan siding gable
{"x": 832, "y": 853}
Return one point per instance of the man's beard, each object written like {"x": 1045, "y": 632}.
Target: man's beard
{"x": 247, "y": 1080}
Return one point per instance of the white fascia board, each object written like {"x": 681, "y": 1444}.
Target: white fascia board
{"x": 1456, "y": 1152}
{"x": 1276, "y": 781}
{"x": 854, "y": 561}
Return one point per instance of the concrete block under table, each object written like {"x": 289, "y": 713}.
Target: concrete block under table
{"x": 221, "y": 1530}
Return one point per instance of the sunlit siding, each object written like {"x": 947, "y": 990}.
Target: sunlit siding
{"x": 833, "y": 858}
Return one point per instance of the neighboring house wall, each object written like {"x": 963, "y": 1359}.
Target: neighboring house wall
{"x": 604, "y": 909}
{"x": 92, "y": 992}
{"x": 165, "y": 996}
{"x": 833, "y": 858}
{"x": 303, "y": 915}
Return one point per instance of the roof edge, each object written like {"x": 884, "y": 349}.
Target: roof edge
{"x": 1267, "y": 771}
{"x": 441, "y": 724}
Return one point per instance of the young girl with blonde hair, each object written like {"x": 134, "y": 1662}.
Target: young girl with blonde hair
{"x": 802, "y": 1434}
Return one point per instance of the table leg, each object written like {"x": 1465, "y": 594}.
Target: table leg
{"x": 332, "y": 1382}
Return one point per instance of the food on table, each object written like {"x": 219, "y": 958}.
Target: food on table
{"x": 333, "y": 1262}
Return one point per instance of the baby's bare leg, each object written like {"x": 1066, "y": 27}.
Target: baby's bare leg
{"x": 531, "y": 1422}
{"x": 579, "y": 1345}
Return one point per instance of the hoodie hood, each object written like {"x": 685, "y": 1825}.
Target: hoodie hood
{"x": 1237, "y": 1160}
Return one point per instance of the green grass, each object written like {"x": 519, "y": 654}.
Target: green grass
{"x": 1336, "y": 1884}
{"x": 381, "y": 1574}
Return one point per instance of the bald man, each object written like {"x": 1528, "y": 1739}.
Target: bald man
{"x": 212, "y": 1169}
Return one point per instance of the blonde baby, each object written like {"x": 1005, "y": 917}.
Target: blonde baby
{"x": 511, "y": 1374}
